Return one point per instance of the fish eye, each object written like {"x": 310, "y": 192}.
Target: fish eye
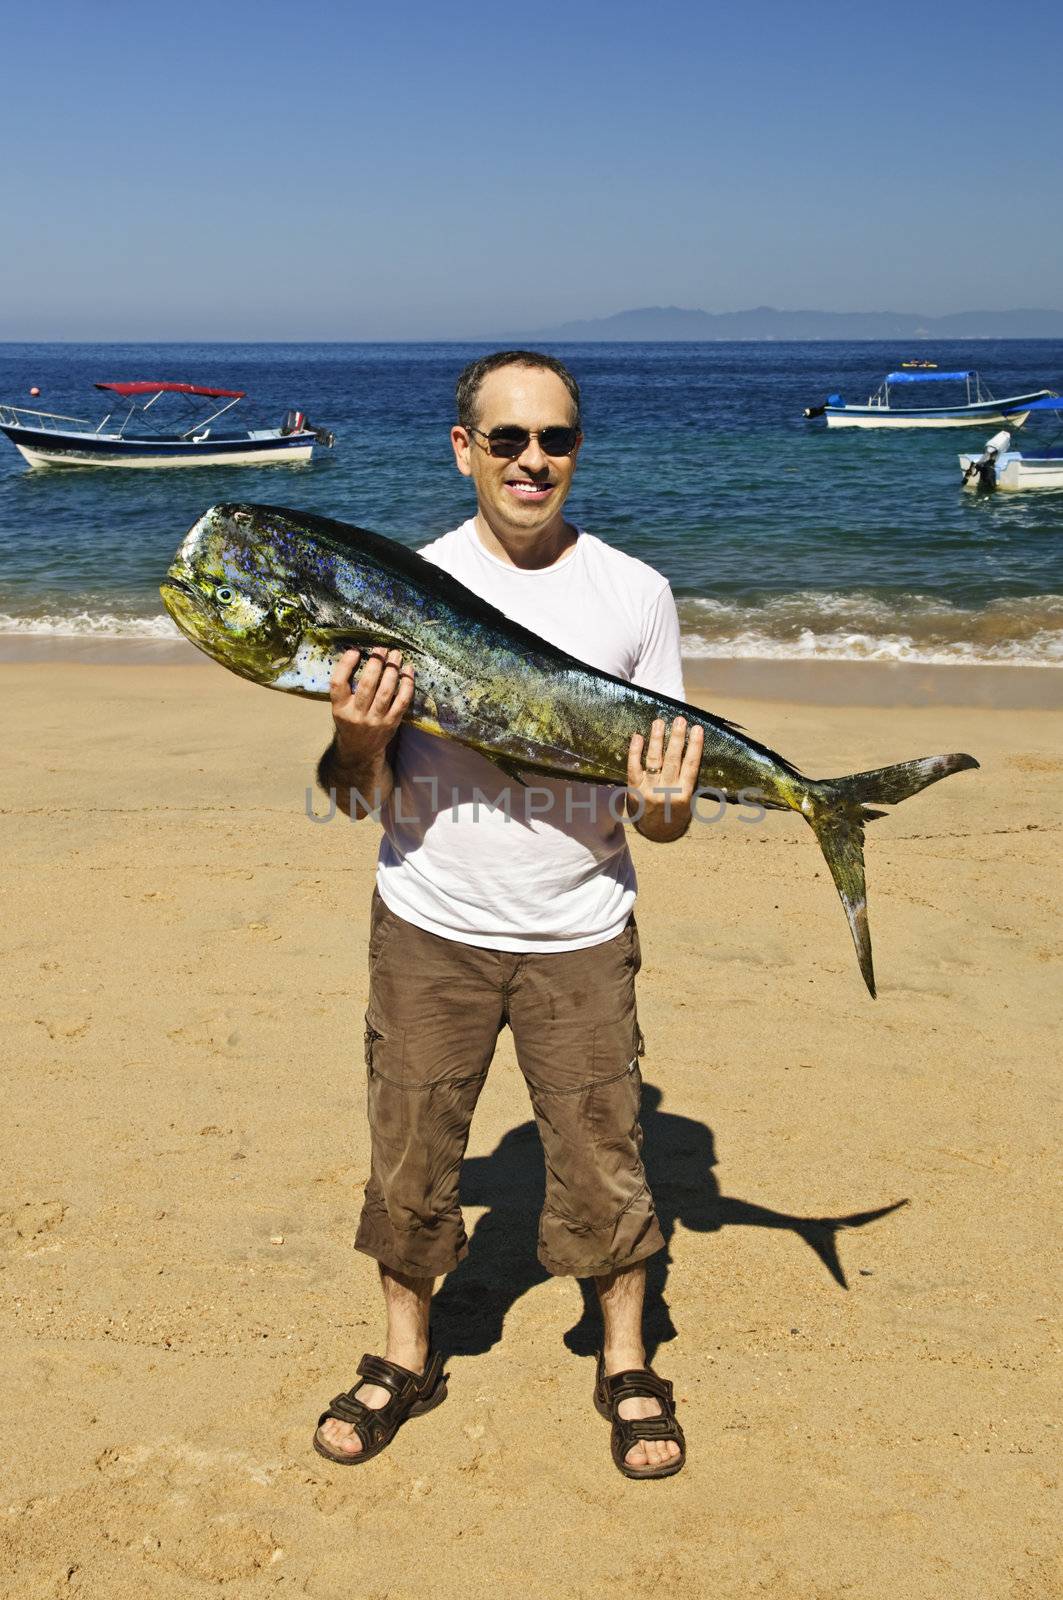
{"x": 224, "y": 595}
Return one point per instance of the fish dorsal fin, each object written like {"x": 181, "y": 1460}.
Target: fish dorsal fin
{"x": 344, "y": 536}
{"x": 360, "y": 543}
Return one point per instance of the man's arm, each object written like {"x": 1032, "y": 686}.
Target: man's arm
{"x": 663, "y": 817}
{"x": 366, "y": 717}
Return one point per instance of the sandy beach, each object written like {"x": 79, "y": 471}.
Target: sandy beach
{"x": 870, "y": 1400}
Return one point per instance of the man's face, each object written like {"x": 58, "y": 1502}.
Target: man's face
{"x": 524, "y": 494}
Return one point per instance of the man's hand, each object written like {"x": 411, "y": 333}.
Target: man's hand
{"x": 659, "y": 792}
{"x": 366, "y": 717}
{"x": 367, "y": 714}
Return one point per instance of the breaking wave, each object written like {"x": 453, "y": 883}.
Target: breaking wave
{"x": 807, "y": 626}
{"x": 802, "y": 626}
{"x": 89, "y": 625}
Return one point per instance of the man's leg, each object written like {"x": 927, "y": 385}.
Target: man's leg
{"x": 621, "y": 1294}
{"x": 578, "y": 1041}
{"x": 434, "y": 1012}
{"x": 407, "y": 1302}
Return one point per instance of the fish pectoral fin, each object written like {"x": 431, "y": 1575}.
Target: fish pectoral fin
{"x": 364, "y": 639}
{"x": 555, "y": 770}
{"x": 508, "y": 768}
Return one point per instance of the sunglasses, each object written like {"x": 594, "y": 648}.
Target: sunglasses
{"x": 510, "y": 441}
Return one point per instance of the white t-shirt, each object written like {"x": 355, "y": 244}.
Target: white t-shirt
{"x": 546, "y": 867}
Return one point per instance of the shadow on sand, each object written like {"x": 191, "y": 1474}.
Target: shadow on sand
{"x": 471, "y": 1307}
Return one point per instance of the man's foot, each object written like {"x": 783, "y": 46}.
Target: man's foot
{"x": 648, "y": 1457}
{"x": 342, "y": 1438}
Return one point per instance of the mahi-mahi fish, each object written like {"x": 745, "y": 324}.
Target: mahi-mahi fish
{"x": 278, "y": 595}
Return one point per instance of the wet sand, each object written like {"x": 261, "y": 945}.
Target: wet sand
{"x": 870, "y": 1401}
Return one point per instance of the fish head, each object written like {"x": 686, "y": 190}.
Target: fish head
{"x": 234, "y": 593}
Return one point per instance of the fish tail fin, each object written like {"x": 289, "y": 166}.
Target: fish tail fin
{"x": 840, "y": 831}
{"x": 890, "y": 785}
{"x": 837, "y": 810}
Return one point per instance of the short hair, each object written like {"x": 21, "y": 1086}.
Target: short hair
{"x": 467, "y": 390}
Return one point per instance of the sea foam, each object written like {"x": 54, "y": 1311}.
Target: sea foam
{"x": 805, "y": 626}
{"x": 810, "y": 626}
{"x": 89, "y": 625}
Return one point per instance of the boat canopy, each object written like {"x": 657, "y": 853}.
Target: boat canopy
{"x": 1049, "y": 403}
{"x": 926, "y": 377}
{"x": 144, "y": 387}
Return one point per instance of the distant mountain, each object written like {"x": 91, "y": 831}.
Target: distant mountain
{"x": 765, "y": 322}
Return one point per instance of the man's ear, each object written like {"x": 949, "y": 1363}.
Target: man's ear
{"x": 463, "y": 447}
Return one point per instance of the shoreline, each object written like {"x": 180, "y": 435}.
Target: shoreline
{"x": 876, "y": 683}
{"x": 828, "y": 682}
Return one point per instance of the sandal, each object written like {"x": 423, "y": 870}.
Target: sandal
{"x": 412, "y": 1394}
{"x": 644, "y": 1384}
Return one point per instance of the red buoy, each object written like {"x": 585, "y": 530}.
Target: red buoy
{"x": 35, "y": 391}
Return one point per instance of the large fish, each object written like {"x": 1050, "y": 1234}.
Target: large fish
{"x": 277, "y": 595}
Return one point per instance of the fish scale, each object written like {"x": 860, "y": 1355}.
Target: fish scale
{"x": 278, "y": 595}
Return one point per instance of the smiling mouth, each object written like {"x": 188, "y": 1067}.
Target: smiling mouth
{"x": 525, "y": 489}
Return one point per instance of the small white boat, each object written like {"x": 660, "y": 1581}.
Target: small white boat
{"x": 46, "y": 439}
{"x": 1000, "y": 467}
{"x": 882, "y": 411}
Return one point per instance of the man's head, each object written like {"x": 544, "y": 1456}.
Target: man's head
{"x": 517, "y": 437}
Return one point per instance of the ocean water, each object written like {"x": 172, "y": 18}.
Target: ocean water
{"x": 780, "y": 539}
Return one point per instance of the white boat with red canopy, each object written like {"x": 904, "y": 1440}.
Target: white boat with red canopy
{"x": 47, "y": 439}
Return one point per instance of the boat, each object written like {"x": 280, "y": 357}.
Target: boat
{"x": 881, "y": 411}
{"x": 47, "y": 439}
{"x": 1000, "y": 467}
{"x": 923, "y": 366}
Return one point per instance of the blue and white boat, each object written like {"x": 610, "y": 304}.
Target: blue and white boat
{"x": 1000, "y": 467}
{"x": 46, "y": 439}
{"x": 883, "y": 411}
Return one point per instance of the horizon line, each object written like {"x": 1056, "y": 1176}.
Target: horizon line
{"x": 496, "y": 341}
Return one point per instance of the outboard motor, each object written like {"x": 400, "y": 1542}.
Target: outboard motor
{"x": 818, "y": 411}
{"x": 295, "y": 422}
{"x": 984, "y": 467}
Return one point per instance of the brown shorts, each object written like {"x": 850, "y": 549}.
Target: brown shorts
{"x": 436, "y": 1008}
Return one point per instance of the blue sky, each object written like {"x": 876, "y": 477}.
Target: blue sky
{"x": 350, "y": 171}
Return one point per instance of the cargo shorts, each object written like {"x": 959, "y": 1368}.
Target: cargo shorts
{"x": 436, "y": 1008}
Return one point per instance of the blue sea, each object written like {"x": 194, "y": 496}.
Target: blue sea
{"x": 780, "y": 539}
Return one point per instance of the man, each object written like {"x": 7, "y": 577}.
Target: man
{"x": 487, "y": 914}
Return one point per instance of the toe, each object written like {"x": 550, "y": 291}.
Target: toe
{"x": 340, "y": 1437}
{"x": 647, "y": 1452}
